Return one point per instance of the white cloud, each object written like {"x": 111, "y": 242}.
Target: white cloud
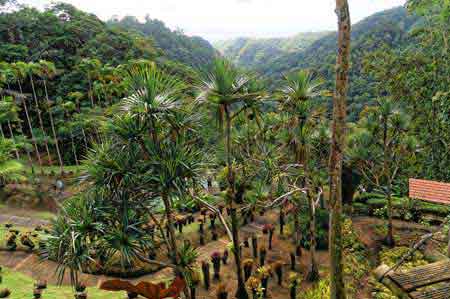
{"x": 219, "y": 19}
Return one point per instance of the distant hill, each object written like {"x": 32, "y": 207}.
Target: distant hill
{"x": 192, "y": 51}
{"x": 390, "y": 28}
{"x": 250, "y": 52}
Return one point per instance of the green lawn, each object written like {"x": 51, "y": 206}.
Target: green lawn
{"x": 21, "y": 287}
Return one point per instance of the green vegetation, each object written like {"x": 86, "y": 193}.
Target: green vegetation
{"x": 162, "y": 134}
{"x": 250, "y": 53}
{"x": 22, "y": 287}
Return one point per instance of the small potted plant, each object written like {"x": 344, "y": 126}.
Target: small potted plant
{"x": 292, "y": 254}
{"x": 222, "y": 292}
{"x": 262, "y": 256}
{"x": 215, "y": 259}
{"x": 278, "y": 269}
{"x": 269, "y": 229}
{"x": 264, "y": 274}
{"x": 4, "y": 293}
{"x": 225, "y": 257}
{"x": 40, "y": 284}
{"x": 37, "y": 293}
{"x": 255, "y": 246}
{"x": 132, "y": 295}
{"x": 206, "y": 275}
{"x": 282, "y": 221}
{"x": 294, "y": 283}
{"x": 212, "y": 219}
{"x": 254, "y": 285}
{"x": 248, "y": 267}
{"x": 214, "y": 235}
{"x": 195, "y": 280}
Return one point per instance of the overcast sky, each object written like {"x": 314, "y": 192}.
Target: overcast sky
{"x": 224, "y": 19}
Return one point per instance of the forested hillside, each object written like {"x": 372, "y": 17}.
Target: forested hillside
{"x": 250, "y": 52}
{"x": 388, "y": 29}
{"x": 65, "y": 68}
{"x": 193, "y": 51}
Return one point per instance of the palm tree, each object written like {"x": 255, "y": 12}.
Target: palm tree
{"x": 32, "y": 69}
{"x": 225, "y": 89}
{"x": 47, "y": 71}
{"x": 8, "y": 74}
{"x": 91, "y": 68}
{"x": 20, "y": 73}
{"x": 154, "y": 98}
{"x": 337, "y": 287}
{"x": 301, "y": 88}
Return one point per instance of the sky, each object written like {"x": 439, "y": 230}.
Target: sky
{"x": 225, "y": 19}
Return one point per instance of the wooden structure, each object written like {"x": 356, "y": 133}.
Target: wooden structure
{"x": 431, "y": 281}
{"x": 432, "y": 191}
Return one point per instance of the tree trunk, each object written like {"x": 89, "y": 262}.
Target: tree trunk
{"x": 337, "y": 288}
{"x": 41, "y": 123}
{"x": 74, "y": 149}
{"x": 13, "y": 139}
{"x": 170, "y": 228}
{"x": 387, "y": 176}
{"x": 390, "y": 235}
{"x": 313, "y": 274}
{"x": 30, "y": 127}
{"x": 91, "y": 95}
{"x": 55, "y": 136}
{"x": 241, "y": 292}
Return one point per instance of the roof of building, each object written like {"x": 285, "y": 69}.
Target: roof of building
{"x": 432, "y": 191}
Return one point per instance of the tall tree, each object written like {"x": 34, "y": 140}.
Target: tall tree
{"x": 303, "y": 117}
{"x": 47, "y": 70}
{"x": 383, "y": 150}
{"x": 33, "y": 69}
{"x": 20, "y": 73}
{"x": 225, "y": 89}
{"x": 337, "y": 287}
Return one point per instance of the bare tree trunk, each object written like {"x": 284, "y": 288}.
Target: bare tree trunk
{"x": 241, "y": 292}
{"x": 11, "y": 133}
{"x": 41, "y": 123}
{"x": 74, "y": 149}
{"x": 33, "y": 138}
{"x": 172, "y": 240}
{"x": 91, "y": 95}
{"x": 337, "y": 287}
{"x": 313, "y": 274}
{"x": 55, "y": 136}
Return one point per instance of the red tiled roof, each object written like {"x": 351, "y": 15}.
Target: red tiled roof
{"x": 437, "y": 192}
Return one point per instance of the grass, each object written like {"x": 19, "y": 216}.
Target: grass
{"x": 21, "y": 287}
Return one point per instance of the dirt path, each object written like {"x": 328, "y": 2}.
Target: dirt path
{"x": 31, "y": 265}
{"x": 23, "y": 221}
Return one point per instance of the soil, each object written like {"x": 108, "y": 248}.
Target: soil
{"x": 367, "y": 229}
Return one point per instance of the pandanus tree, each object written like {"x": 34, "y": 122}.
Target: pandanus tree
{"x": 303, "y": 117}
{"x": 155, "y": 101}
{"x": 225, "y": 90}
{"x": 383, "y": 150}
